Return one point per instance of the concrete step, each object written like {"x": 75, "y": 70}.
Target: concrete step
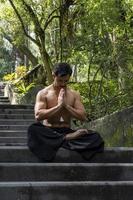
{"x": 66, "y": 172}
{"x": 17, "y": 116}
{"x": 107, "y": 175}
{"x": 3, "y": 97}
{"x": 12, "y": 139}
{"x": 16, "y": 121}
{"x": 14, "y": 127}
{"x": 16, "y": 106}
{"x": 18, "y": 154}
{"x": 4, "y": 100}
{"x": 5, "y": 103}
{"x": 22, "y": 154}
{"x": 16, "y": 111}
{"x": 97, "y": 190}
{"x": 1, "y": 93}
{"x": 13, "y": 133}
{"x": 13, "y": 144}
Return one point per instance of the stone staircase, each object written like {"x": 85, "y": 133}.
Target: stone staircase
{"x": 108, "y": 176}
{"x": 4, "y": 100}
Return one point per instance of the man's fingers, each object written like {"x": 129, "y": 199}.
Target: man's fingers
{"x": 62, "y": 92}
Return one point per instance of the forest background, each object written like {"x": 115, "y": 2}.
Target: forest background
{"x": 94, "y": 36}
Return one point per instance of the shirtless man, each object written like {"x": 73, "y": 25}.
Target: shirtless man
{"x": 55, "y": 106}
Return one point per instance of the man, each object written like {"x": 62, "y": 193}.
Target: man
{"x": 55, "y": 107}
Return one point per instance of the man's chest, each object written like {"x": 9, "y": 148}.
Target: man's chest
{"x": 52, "y": 99}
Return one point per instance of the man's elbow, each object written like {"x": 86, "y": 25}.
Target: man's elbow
{"x": 38, "y": 116}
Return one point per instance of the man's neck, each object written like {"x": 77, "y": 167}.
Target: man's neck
{"x": 57, "y": 89}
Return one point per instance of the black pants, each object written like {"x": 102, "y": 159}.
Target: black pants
{"x": 44, "y": 142}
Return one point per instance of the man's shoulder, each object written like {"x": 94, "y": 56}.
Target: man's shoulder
{"x": 44, "y": 90}
{"x": 74, "y": 92}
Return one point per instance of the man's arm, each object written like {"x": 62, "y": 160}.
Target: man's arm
{"x": 78, "y": 110}
{"x": 41, "y": 111}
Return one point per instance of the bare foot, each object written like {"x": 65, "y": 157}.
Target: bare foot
{"x": 76, "y": 134}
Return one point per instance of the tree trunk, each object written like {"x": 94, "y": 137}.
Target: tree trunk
{"x": 47, "y": 64}
{"x": 29, "y": 55}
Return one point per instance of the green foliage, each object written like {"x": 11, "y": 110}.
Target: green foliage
{"x": 102, "y": 100}
{"x": 19, "y": 86}
{"x": 22, "y": 89}
{"x": 6, "y": 62}
{"x": 9, "y": 77}
{"x": 20, "y": 71}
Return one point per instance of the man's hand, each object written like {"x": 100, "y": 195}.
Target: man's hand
{"x": 61, "y": 97}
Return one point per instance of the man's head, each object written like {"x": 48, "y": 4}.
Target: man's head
{"x": 61, "y": 73}
{"x": 62, "y": 69}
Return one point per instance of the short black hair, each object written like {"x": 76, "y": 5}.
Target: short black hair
{"x": 62, "y": 69}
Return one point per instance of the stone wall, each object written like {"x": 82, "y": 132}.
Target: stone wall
{"x": 15, "y": 98}
{"x": 116, "y": 129}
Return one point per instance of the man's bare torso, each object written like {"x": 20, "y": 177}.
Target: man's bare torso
{"x": 62, "y": 118}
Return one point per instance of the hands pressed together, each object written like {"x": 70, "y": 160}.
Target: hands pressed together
{"x": 61, "y": 98}
{"x": 76, "y": 111}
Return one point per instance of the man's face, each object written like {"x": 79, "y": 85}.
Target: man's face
{"x": 61, "y": 81}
